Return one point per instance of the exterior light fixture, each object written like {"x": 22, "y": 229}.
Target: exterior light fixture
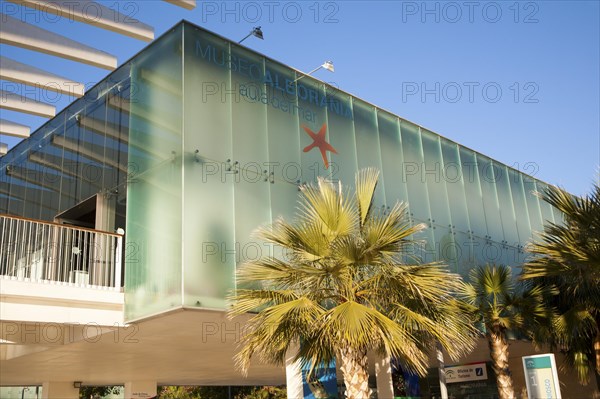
{"x": 256, "y": 32}
{"x": 77, "y": 384}
{"x": 326, "y": 65}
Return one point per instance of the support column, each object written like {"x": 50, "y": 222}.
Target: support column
{"x": 59, "y": 390}
{"x": 140, "y": 389}
{"x": 293, "y": 377}
{"x": 106, "y": 204}
{"x": 383, "y": 374}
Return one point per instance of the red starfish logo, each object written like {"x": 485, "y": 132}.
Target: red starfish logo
{"x": 319, "y": 141}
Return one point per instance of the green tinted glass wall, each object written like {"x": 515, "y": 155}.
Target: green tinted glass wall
{"x": 251, "y": 122}
{"x": 207, "y": 140}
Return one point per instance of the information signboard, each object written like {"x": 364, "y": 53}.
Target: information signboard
{"x": 541, "y": 377}
{"x": 466, "y": 372}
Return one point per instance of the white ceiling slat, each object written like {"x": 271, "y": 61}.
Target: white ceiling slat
{"x": 187, "y": 4}
{"x": 16, "y": 102}
{"x": 74, "y": 146}
{"x": 95, "y": 14}
{"x": 15, "y": 129}
{"x": 17, "y": 33}
{"x": 15, "y": 71}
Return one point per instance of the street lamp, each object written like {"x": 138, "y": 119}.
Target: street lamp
{"x": 256, "y": 32}
{"x": 326, "y": 65}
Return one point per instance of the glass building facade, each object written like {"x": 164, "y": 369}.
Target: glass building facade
{"x": 199, "y": 140}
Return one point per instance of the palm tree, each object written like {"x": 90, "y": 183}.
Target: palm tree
{"x": 501, "y": 306}
{"x": 567, "y": 258}
{"x": 341, "y": 288}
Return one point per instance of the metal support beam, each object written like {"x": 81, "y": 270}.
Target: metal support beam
{"x": 22, "y": 73}
{"x": 15, "y": 102}
{"x": 11, "y": 128}
{"x": 187, "y": 4}
{"x": 17, "y": 33}
{"x": 3, "y": 149}
{"x": 95, "y": 14}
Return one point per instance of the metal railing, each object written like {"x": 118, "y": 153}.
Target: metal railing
{"x": 37, "y": 251}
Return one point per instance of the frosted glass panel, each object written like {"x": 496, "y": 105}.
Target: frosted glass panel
{"x": 546, "y": 208}
{"x": 436, "y": 185}
{"x": 283, "y": 145}
{"x": 533, "y": 204}
{"x": 416, "y": 186}
{"x": 487, "y": 179}
{"x": 344, "y": 164}
{"x": 447, "y": 248}
{"x": 367, "y": 144}
{"x": 154, "y": 223}
{"x": 412, "y": 152}
{"x": 505, "y": 201}
{"x": 392, "y": 159}
{"x": 209, "y": 245}
{"x": 312, "y": 119}
{"x": 453, "y": 174}
{"x": 210, "y": 172}
{"x": 473, "y": 193}
{"x": 466, "y": 255}
{"x": 521, "y": 211}
{"x": 257, "y": 175}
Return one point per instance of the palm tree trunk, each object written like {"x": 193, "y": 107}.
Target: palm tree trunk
{"x": 499, "y": 353}
{"x": 597, "y": 350}
{"x": 356, "y": 374}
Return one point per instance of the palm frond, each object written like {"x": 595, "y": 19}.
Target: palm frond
{"x": 388, "y": 234}
{"x": 327, "y": 205}
{"x": 566, "y": 256}
{"x": 246, "y": 301}
{"x": 271, "y": 332}
{"x": 493, "y": 298}
{"x": 361, "y": 327}
{"x": 366, "y": 182}
{"x": 342, "y": 285}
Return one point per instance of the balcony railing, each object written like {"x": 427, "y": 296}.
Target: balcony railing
{"x": 36, "y": 251}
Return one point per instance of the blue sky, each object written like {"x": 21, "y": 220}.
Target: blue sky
{"x": 517, "y": 81}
